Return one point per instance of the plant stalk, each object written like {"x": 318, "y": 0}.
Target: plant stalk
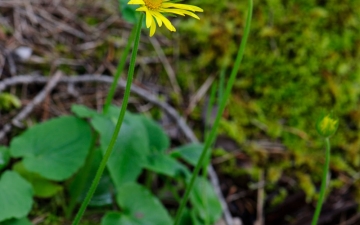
{"x": 213, "y": 132}
{"x": 323, "y": 183}
{"x": 119, "y": 69}
{"x": 117, "y": 127}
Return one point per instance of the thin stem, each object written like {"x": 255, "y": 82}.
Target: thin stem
{"x": 323, "y": 183}
{"x": 119, "y": 69}
{"x": 221, "y": 85}
{"x": 117, "y": 127}
{"x": 209, "y": 110}
{"x": 213, "y": 132}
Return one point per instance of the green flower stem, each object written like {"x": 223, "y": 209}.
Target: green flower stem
{"x": 221, "y": 85}
{"x": 213, "y": 132}
{"x": 117, "y": 127}
{"x": 119, "y": 69}
{"x": 209, "y": 110}
{"x": 323, "y": 183}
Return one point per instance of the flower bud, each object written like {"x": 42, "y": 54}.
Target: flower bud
{"x": 327, "y": 125}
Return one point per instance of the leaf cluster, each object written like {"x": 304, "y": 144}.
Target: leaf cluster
{"x": 58, "y": 158}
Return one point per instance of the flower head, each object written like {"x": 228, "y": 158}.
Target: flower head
{"x": 327, "y": 125}
{"x": 154, "y": 9}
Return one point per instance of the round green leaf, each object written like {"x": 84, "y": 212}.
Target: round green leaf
{"x": 205, "y": 201}
{"x": 15, "y": 196}
{"x": 195, "y": 220}
{"x": 43, "y": 188}
{"x": 22, "y": 221}
{"x": 55, "y": 149}
{"x": 165, "y": 164}
{"x": 158, "y": 139}
{"x": 141, "y": 206}
{"x": 116, "y": 218}
{"x": 129, "y": 154}
{"x": 190, "y": 152}
{"x": 83, "y": 111}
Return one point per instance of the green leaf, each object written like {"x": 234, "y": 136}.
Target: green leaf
{"x": 158, "y": 139}
{"x": 117, "y": 218}
{"x": 83, "y": 111}
{"x": 103, "y": 193}
{"x": 129, "y": 154}
{"x": 128, "y": 11}
{"x": 15, "y": 196}
{"x": 22, "y": 221}
{"x": 205, "y": 201}
{"x": 141, "y": 206}
{"x": 190, "y": 152}
{"x": 186, "y": 218}
{"x": 43, "y": 188}
{"x": 167, "y": 165}
{"x": 195, "y": 220}
{"x": 55, "y": 149}
{"x": 4, "y": 157}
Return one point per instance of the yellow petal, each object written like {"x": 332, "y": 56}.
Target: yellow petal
{"x": 149, "y": 19}
{"x": 180, "y": 12}
{"x": 159, "y": 21}
{"x": 152, "y": 28}
{"x": 182, "y": 6}
{"x": 175, "y": 11}
{"x": 136, "y": 2}
{"x": 167, "y": 22}
{"x": 142, "y": 9}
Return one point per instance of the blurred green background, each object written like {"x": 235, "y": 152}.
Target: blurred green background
{"x": 302, "y": 59}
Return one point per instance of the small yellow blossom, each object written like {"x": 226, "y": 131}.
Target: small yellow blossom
{"x": 327, "y": 125}
{"x": 154, "y": 9}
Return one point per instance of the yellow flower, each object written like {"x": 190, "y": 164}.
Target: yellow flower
{"x": 155, "y": 8}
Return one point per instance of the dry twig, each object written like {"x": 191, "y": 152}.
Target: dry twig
{"x": 16, "y": 121}
{"x": 169, "y": 70}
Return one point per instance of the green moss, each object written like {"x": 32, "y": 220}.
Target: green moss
{"x": 302, "y": 58}
{"x": 279, "y": 198}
